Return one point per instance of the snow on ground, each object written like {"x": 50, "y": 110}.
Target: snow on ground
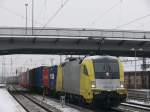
{"x": 2, "y": 85}
{"x": 8, "y": 103}
{"x": 57, "y": 105}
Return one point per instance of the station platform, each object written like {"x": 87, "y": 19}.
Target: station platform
{"x": 8, "y": 103}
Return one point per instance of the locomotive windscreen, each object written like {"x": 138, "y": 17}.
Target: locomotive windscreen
{"x": 106, "y": 69}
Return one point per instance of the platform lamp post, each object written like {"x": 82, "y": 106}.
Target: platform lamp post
{"x": 60, "y": 59}
{"x": 32, "y": 16}
{"x": 26, "y": 6}
{"x": 135, "y": 56}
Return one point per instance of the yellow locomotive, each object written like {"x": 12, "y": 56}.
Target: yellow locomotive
{"x": 97, "y": 80}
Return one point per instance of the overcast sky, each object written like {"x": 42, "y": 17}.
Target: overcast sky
{"x": 77, "y": 13}
{"x": 100, "y": 14}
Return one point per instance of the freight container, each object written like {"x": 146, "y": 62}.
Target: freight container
{"x": 27, "y": 77}
{"x": 52, "y": 77}
{"x": 24, "y": 79}
{"x": 46, "y": 77}
{"x": 19, "y": 79}
{"x": 38, "y": 77}
{"x": 32, "y": 78}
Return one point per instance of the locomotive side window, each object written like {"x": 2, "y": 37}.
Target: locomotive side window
{"x": 85, "y": 70}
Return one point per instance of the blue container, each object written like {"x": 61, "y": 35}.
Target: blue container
{"x": 38, "y": 77}
{"x": 52, "y": 77}
{"x": 31, "y": 78}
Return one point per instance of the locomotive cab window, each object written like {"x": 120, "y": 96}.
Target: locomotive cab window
{"x": 85, "y": 70}
{"x": 106, "y": 70}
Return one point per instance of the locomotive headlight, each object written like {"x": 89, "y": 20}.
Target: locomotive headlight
{"x": 93, "y": 84}
{"x": 121, "y": 84}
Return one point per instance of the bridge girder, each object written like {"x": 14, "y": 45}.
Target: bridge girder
{"x": 74, "y": 41}
{"x": 77, "y": 46}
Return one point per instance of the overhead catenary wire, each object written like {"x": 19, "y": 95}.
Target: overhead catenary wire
{"x": 105, "y": 13}
{"x": 55, "y": 14}
{"x": 12, "y": 12}
{"x": 133, "y": 21}
{"x": 144, "y": 24}
{"x": 43, "y": 5}
{"x": 17, "y": 14}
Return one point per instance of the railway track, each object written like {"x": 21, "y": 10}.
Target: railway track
{"x": 81, "y": 108}
{"x": 36, "y": 99}
{"x": 24, "y": 100}
{"x": 144, "y": 105}
{"x": 31, "y": 104}
{"x": 134, "y": 107}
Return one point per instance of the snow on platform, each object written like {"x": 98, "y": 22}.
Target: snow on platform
{"x": 8, "y": 103}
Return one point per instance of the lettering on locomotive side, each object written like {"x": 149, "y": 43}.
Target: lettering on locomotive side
{"x": 52, "y": 76}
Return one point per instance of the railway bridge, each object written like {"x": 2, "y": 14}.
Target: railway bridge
{"x": 19, "y": 40}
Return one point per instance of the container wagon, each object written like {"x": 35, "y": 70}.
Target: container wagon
{"x": 49, "y": 79}
{"x": 39, "y": 78}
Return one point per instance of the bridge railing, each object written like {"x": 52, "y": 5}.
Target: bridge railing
{"x": 66, "y": 32}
